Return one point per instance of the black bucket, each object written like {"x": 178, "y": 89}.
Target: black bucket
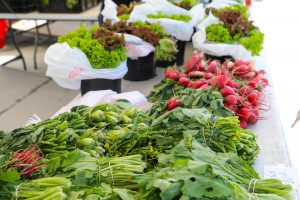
{"x": 179, "y": 56}
{"x": 126, "y": 2}
{"x": 141, "y": 69}
{"x": 100, "y": 84}
{"x": 220, "y": 58}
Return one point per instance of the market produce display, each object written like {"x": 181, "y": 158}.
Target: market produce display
{"x": 113, "y": 151}
{"x": 223, "y": 88}
{"x": 165, "y": 45}
{"x": 192, "y": 144}
{"x": 103, "y": 48}
{"x": 123, "y": 11}
{"x": 235, "y": 27}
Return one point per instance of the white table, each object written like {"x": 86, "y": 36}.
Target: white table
{"x": 88, "y": 15}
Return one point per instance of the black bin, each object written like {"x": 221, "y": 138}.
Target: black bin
{"x": 20, "y": 6}
{"x": 63, "y": 6}
{"x": 126, "y": 2}
{"x": 100, "y": 84}
{"x": 220, "y": 58}
{"x": 141, "y": 69}
{"x": 179, "y": 56}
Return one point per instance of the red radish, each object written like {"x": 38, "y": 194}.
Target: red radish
{"x": 265, "y": 82}
{"x": 204, "y": 87}
{"x": 219, "y": 81}
{"x": 200, "y": 67}
{"x": 207, "y": 75}
{"x": 241, "y": 69}
{"x": 233, "y": 108}
{"x": 191, "y": 84}
{"x": 245, "y": 90}
{"x": 243, "y": 124}
{"x": 212, "y": 66}
{"x": 230, "y": 107}
{"x": 253, "y": 118}
{"x": 173, "y": 76}
{"x": 199, "y": 83}
{"x": 244, "y": 113}
{"x": 230, "y": 83}
{"x": 235, "y": 85}
{"x": 195, "y": 59}
{"x": 173, "y": 103}
{"x": 231, "y": 99}
{"x": 195, "y": 74}
{"x": 168, "y": 72}
{"x": 229, "y": 65}
{"x": 242, "y": 62}
{"x": 225, "y": 91}
{"x": 222, "y": 71}
{"x": 182, "y": 75}
{"x": 254, "y": 96}
{"x": 176, "y": 71}
{"x": 248, "y": 75}
{"x": 184, "y": 81}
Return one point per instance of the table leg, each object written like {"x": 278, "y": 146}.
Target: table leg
{"x": 49, "y": 32}
{"x": 36, "y": 40}
{"x": 13, "y": 39}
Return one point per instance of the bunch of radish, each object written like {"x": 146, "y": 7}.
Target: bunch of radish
{"x": 241, "y": 86}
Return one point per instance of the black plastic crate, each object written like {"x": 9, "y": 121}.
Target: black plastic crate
{"x": 141, "y": 69}
{"x": 63, "y": 6}
{"x": 18, "y": 6}
{"x": 100, "y": 84}
{"x": 179, "y": 56}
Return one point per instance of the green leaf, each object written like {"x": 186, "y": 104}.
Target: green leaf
{"x": 70, "y": 158}
{"x": 10, "y": 176}
{"x": 202, "y": 186}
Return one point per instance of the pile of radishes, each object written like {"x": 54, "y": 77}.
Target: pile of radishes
{"x": 241, "y": 86}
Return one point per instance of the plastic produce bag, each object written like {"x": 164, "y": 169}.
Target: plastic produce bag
{"x": 68, "y": 66}
{"x": 136, "y": 47}
{"x": 110, "y": 11}
{"x": 93, "y": 98}
{"x": 178, "y": 29}
{"x": 200, "y": 43}
{"x": 221, "y": 3}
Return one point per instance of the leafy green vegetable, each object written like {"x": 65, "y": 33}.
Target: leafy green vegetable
{"x": 190, "y": 175}
{"x": 98, "y": 55}
{"x": 235, "y": 28}
{"x": 165, "y": 50}
{"x": 155, "y": 27}
{"x": 218, "y": 33}
{"x": 253, "y": 42}
{"x": 109, "y": 39}
{"x": 186, "y": 4}
{"x": 237, "y": 7}
{"x": 184, "y": 18}
{"x": 123, "y": 11}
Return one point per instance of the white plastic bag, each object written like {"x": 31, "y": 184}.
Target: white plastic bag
{"x": 221, "y": 3}
{"x": 110, "y": 11}
{"x": 136, "y": 47}
{"x": 68, "y": 66}
{"x": 92, "y": 98}
{"x": 200, "y": 43}
{"x": 178, "y": 29}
